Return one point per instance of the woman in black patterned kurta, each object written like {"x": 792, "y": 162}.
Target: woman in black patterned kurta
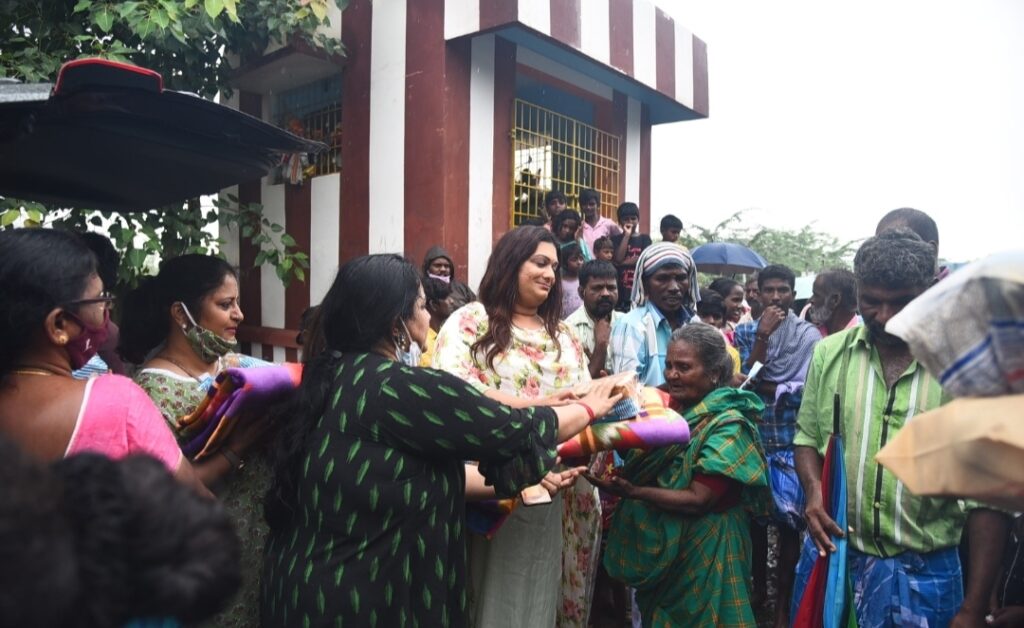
{"x": 366, "y": 515}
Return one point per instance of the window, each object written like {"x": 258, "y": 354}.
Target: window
{"x": 555, "y": 152}
{"x": 314, "y": 111}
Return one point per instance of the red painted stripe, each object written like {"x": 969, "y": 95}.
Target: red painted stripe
{"x": 665, "y": 53}
{"x": 565, "y": 22}
{"x": 354, "y": 236}
{"x": 291, "y": 355}
{"x": 645, "y": 169}
{"x": 425, "y": 126}
{"x": 458, "y": 70}
{"x": 700, "y": 77}
{"x": 504, "y": 97}
{"x": 297, "y": 210}
{"x": 494, "y": 13}
{"x": 620, "y": 20}
{"x": 249, "y": 192}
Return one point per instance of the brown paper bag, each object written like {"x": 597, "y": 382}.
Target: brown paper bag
{"x": 971, "y": 448}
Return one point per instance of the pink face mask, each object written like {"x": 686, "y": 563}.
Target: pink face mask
{"x": 443, "y": 278}
{"x": 84, "y": 346}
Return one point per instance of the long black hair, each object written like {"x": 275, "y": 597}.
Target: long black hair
{"x": 499, "y": 290}
{"x": 39, "y": 270}
{"x": 145, "y": 317}
{"x": 367, "y": 299}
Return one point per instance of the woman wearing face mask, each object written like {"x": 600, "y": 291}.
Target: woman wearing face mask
{"x": 180, "y": 326}
{"x": 367, "y": 509}
{"x": 512, "y": 347}
{"x": 55, "y": 311}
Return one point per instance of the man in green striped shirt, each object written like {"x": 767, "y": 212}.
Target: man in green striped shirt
{"x": 903, "y": 548}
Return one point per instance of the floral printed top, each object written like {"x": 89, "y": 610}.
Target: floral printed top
{"x": 530, "y": 368}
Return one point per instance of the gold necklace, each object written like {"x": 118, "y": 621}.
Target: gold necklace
{"x": 183, "y": 369}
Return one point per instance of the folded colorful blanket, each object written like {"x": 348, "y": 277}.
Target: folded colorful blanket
{"x": 623, "y": 435}
{"x": 234, "y": 391}
{"x": 655, "y": 425}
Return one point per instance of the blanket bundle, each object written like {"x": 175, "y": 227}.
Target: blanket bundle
{"x": 234, "y": 391}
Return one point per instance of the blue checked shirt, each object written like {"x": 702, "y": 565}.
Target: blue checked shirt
{"x": 640, "y": 341}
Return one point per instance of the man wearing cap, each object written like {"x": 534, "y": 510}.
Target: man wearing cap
{"x": 664, "y": 299}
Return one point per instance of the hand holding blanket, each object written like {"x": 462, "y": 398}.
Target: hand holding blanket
{"x": 234, "y": 391}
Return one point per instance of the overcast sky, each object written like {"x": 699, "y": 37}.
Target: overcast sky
{"x": 836, "y": 114}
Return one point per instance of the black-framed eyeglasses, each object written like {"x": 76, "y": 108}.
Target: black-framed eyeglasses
{"x": 106, "y": 298}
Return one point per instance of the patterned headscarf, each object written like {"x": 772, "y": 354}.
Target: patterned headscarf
{"x": 656, "y": 256}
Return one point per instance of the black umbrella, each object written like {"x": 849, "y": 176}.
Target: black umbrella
{"x": 108, "y": 136}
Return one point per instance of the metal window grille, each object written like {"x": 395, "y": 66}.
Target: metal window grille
{"x": 314, "y": 111}
{"x": 555, "y": 152}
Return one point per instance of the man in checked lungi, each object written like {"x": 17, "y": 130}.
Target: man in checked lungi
{"x": 902, "y": 550}
{"x": 782, "y": 342}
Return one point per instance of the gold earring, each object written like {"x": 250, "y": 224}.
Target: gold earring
{"x": 402, "y": 340}
{"x": 62, "y": 340}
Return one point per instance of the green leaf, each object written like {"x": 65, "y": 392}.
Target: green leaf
{"x": 104, "y": 18}
{"x": 319, "y": 9}
{"x": 287, "y": 240}
{"x": 213, "y": 7}
{"x": 160, "y": 18}
{"x": 82, "y": 6}
{"x": 127, "y": 8}
{"x": 190, "y": 3}
{"x": 9, "y": 216}
{"x": 232, "y": 10}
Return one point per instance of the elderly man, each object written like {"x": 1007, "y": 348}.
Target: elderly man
{"x": 592, "y": 322}
{"x": 833, "y": 305}
{"x": 663, "y": 300}
{"x": 903, "y": 548}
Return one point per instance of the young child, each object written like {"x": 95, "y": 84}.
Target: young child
{"x": 628, "y": 246}
{"x": 671, "y": 227}
{"x": 566, "y": 227}
{"x": 712, "y": 310}
{"x": 570, "y": 260}
{"x": 603, "y": 249}
{"x": 554, "y": 204}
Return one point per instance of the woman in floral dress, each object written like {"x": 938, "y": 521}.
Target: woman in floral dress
{"x": 181, "y": 325}
{"x": 538, "y": 569}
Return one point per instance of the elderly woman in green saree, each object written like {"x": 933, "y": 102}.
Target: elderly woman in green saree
{"x": 681, "y": 535}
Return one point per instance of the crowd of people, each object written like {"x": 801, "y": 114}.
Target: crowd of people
{"x": 346, "y": 503}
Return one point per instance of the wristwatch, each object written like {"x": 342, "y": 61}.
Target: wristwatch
{"x": 232, "y": 458}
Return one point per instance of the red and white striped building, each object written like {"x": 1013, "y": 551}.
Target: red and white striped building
{"x": 427, "y": 128}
